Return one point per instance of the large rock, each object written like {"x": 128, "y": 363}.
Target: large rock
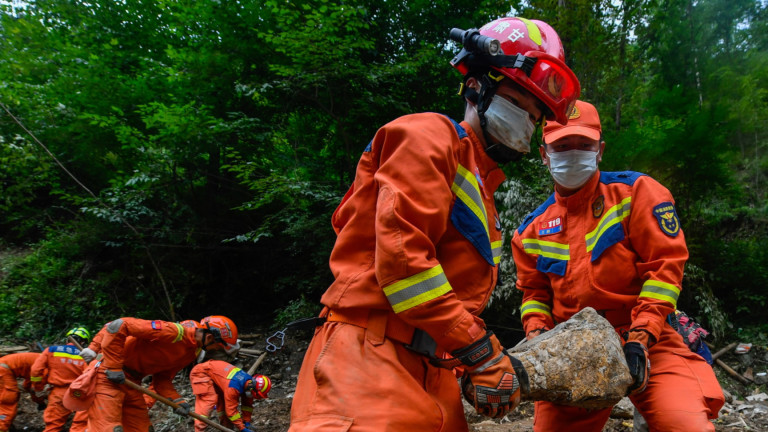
{"x": 580, "y": 363}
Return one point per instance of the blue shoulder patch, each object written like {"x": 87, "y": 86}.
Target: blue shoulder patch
{"x": 69, "y": 349}
{"x": 538, "y": 212}
{"x": 667, "y": 217}
{"x": 627, "y": 177}
{"x": 238, "y": 381}
{"x": 368, "y": 147}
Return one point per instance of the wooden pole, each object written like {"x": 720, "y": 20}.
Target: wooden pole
{"x": 251, "y": 351}
{"x": 732, "y": 372}
{"x": 724, "y": 350}
{"x": 74, "y": 342}
{"x": 256, "y": 365}
{"x": 174, "y": 405}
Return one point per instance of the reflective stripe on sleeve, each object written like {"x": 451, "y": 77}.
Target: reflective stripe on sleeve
{"x": 496, "y": 249}
{"x": 535, "y": 306}
{"x": 547, "y": 249}
{"x": 417, "y": 289}
{"x": 35, "y": 379}
{"x": 614, "y": 215}
{"x": 233, "y": 372}
{"x": 660, "y": 291}
{"x": 234, "y": 417}
{"x": 180, "y": 330}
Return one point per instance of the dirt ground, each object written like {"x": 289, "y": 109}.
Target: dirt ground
{"x": 282, "y": 367}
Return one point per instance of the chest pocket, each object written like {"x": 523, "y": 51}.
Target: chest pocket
{"x": 469, "y": 216}
{"x": 609, "y": 230}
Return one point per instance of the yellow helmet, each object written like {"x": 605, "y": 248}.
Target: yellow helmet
{"x": 80, "y": 332}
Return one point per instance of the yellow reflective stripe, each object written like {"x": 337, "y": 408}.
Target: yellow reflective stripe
{"x": 233, "y": 372}
{"x": 72, "y": 356}
{"x": 533, "y": 30}
{"x": 246, "y": 408}
{"x": 180, "y": 331}
{"x": 35, "y": 379}
{"x": 417, "y": 289}
{"x": 547, "y": 249}
{"x": 234, "y": 417}
{"x": 468, "y": 191}
{"x": 660, "y": 291}
{"x": 534, "y": 306}
{"x": 614, "y": 215}
{"x": 496, "y": 250}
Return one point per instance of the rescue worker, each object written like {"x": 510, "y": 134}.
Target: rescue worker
{"x": 219, "y": 385}
{"x": 149, "y": 400}
{"x": 612, "y": 241}
{"x": 418, "y": 245}
{"x": 57, "y": 367}
{"x": 13, "y": 367}
{"x": 133, "y": 348}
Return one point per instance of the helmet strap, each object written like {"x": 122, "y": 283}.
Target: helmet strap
{"x": 489, "y": 84}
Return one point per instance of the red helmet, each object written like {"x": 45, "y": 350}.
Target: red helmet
{"x": 533, "y": 57}
{"x": 260, "y": 386}
{"x": 223, "y": 329}
{"x": 190, "y": 324}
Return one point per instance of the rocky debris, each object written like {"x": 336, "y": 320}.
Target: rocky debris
{"x": 580, "y": 363}
{"x": 273, "y": 414}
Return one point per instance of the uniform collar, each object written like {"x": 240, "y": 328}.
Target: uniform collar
{"x": 490, "y": 170}
{"x": 583, "y": 195}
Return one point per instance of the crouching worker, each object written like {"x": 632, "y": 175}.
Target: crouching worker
{"x": 57, "y": 367}
{"x": 220, "y": 385}
{"x": 13, "y": 367}
{"x": 134, "y": 348}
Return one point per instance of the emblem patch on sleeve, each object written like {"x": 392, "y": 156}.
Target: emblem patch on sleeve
{"x": 157, "y": 325}
{"x": 667, "y": 217}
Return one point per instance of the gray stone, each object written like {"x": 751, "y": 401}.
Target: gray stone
{"x": 580, "y": 363}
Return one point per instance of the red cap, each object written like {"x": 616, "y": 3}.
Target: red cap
{"x": 81, "y": 393}
{"x": 583, "y": 121}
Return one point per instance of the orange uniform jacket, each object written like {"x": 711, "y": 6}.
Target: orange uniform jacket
{"x": 616, "y": 245}
{"x": 418, "y": 235}
{"x": 230, "y": 381}
{"x": 58, "y": 365}
{"x": 21, "y": 365}
{"x": 142, "y": 347}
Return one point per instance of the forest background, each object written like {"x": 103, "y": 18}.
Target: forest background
{"x": 171, "y": 159}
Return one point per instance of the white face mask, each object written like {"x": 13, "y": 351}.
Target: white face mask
{"x": 509, "y": 124}
{"x": 572, "y": 168}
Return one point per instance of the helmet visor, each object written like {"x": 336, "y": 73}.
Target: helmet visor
{"x": 557, "y": 82}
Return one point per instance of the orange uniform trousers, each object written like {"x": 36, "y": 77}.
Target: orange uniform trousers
{"x": 9, "y": 398}
{"x": 56, "y": 414}
{"x": 682, "y": 395}
{"x": 355, "y": 380}
{"x": 207, "y": 401}
{"x": 117, "y": 405}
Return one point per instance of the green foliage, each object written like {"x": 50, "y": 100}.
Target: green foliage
{"x": 218, "y": 137}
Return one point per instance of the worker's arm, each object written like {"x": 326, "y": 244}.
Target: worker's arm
{"x": 113, "y": 342}
{"x": 417, "y": 168}
{"x": 655, "y": 234}
{"x": 38, "y": 374}
{"x": 231, "y": 405}
{"x": 536, "y": 308}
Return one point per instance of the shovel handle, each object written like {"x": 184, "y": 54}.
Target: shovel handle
{"x": 174, "y": 405}
{"x": 257, "y": 363}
